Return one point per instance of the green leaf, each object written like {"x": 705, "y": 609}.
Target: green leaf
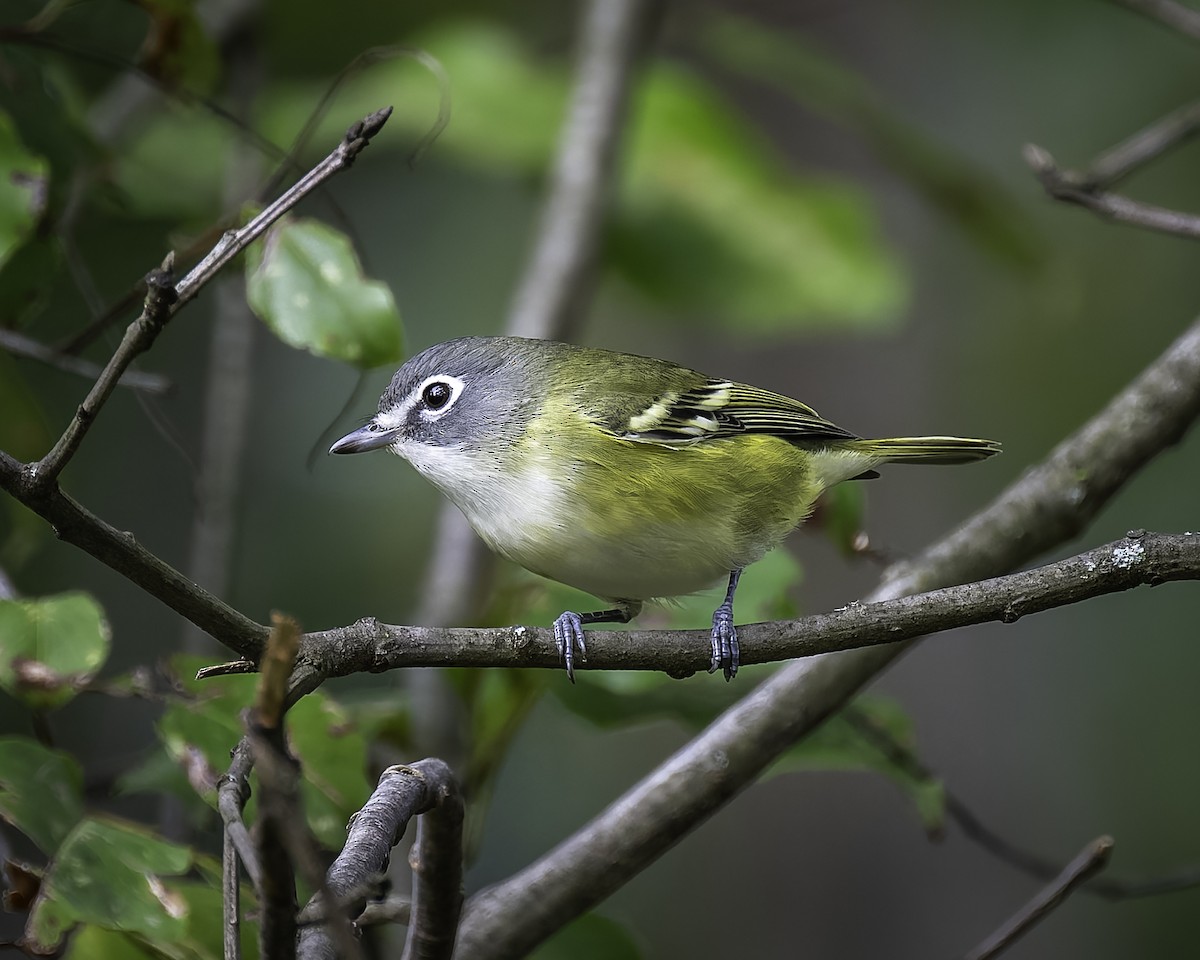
{"x": 591, "y": 937}
{"x": 24, "y": 189}
{"x": 305, "y": 282}
{"x": 860, "y": 738}
{"x": 333, "y": 755}
{"x": 50, "y": 647}
{"x": 949, "y": 181}
{"x": 110, "y": 874}
{"x": 97, "y": 943}
{"x": 41, "y": 791}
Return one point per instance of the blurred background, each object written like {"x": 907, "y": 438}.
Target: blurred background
{"x": 824, "y": 199}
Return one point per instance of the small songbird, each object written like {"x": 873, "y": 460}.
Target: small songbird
{"x": 627, "y": 477}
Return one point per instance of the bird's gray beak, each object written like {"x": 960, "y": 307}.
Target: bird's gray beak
{"x": 365, "y": 438}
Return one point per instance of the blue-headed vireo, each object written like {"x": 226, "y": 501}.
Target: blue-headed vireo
{"x": 627, "y": 477}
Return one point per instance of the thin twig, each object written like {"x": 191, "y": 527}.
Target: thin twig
{"x": 1062, "y": 186}
{"x": 233, "y": 791}
{"x": 974, "y": 829}
{"x": 164, "y": 300}
{"x": 1048, "y": 505}
{"x": 35, "y": 484}
{"x": 1090, "y": 861}
{"x": 279, "y": 801}
{"x": 1140, "y": 558}
{"x": 557, "y": 277}
{"x": 1135, "y": 151}
{"x": 1183, "y": 19}
{"x": 20, "y": 345}
{"x": 231, "y": 900}
{"x": 403, "y": 792}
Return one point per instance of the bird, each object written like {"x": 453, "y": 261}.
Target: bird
{"x": 628, "y": 477}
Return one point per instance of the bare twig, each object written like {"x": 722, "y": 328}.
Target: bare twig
{"x": 974, "y": 829}
{"x": 403, "y": 793}
{"x": 555, "y": 283}
{"x": 1147, "y": 144}
{"x": 391, "y": 910}
{"x": 20, "y": 345}
{"x": 1090, "y": 861}
{"x": 1113, "y": 206}
{"x": 139, "y": 336}
{"x": 163, "y": 300}
{"x": 1178, "y": 17}
{"x": 279, "y": 802}
{"x": 231, "y": 900}
{"x": 233, "y": 791}
{"x": 1048, "y": 505}
{"x": 1140, "y": 558}
{"x": 437, "y": 863}
{"x": 35, "y": 484}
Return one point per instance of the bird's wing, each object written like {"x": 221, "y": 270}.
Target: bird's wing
{"x": 721, "y": 408}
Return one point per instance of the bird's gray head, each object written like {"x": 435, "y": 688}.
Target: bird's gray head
{"x": 462, "y": 395}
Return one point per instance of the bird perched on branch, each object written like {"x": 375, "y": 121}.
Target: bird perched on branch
{"x": 627, "y": 477}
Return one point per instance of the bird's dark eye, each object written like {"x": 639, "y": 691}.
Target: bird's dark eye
{"x": 436, "y": 395}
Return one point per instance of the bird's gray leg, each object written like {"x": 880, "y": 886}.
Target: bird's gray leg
{"x": 568, "y": 630}
{"x": 725, "y": 652}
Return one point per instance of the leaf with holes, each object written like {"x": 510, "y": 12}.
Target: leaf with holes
{"x": 111, "y": 874}
{"x": 51, "y": 647}
{"x": 304, "y": 281}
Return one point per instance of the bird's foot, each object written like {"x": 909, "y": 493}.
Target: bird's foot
{"x": 725, "y": 652}
{"x": 568, "y": 638}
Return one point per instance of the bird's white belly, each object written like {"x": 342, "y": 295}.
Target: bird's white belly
{"x": 538, "y": 520}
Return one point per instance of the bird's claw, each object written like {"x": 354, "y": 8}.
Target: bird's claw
{"x": 726, "y": 655}
{"x": 568, "y": 638}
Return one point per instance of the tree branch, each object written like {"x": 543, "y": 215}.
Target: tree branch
{"x": 975, "y": 830}
{"x": 1064, "y": 186}
{"x": 1136, "y": 151}
{"x": 1047, "y": 506}
{"x": 403, "y": 793}
{"x": 1140, "y": 558}
{"x": 20, "y": 345}
{"x": 119, "y": 550}
{"x": 279, "y": 810}
{"x": 1090, "y": 861}
{"x": 164, "y": 300}
{"x": 35, "y": 485}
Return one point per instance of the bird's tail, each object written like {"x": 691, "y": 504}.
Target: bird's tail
{"x": 927, "y": 449}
